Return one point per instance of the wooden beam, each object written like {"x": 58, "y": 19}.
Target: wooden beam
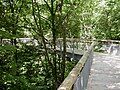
{"x": 73, "y": 75}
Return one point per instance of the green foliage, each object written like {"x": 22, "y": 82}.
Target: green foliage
{"x": 28, "y": 67}
{"x": 109, "y": 22}
{"x": 70, "y": 66}
{"x": 23, "y": 73}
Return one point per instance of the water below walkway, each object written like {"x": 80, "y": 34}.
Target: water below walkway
{"x": 105, "y": 72}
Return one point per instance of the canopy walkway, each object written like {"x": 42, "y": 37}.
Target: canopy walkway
{"x": 104, "y": 73}
{"x": 94, "y": 71}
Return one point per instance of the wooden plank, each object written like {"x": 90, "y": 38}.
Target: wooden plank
{"x": 105, "y": 72}
{"x": 71, "y": 78}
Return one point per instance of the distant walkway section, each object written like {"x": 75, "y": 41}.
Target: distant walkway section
{"x": 105, "y": 72}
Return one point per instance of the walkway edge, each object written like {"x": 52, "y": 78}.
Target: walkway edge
{"x": 76, "y": 71}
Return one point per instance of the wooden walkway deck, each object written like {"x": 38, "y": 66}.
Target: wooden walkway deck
{"x": 105, "y": 72}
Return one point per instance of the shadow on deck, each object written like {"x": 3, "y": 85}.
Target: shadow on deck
{"x": 105, "y": 72}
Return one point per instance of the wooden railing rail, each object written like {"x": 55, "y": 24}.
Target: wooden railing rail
{"x": 89, "y": 40}
{"x": 76, "y": 71}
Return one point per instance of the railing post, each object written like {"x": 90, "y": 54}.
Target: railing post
{"x": 73, "y": 47}
{"x": 77, "y": 44}
{"x": 0, "y": 41}
{"x": 60, "y": 42}
{"x": 118, "y": 51}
